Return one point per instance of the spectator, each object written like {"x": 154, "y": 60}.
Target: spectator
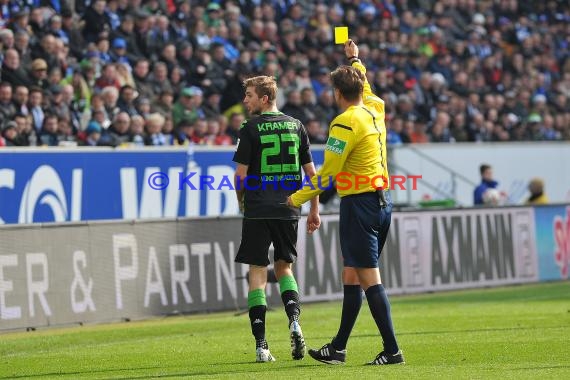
{"x": 49, "y": 133}
{"x": 294, "y": 107}
{"x": 143, "y": 106}
{"x": 46, "y": 51}
{"x": 417, "y": 133}
{"x": 178, "y": 27}
{"x": 140, "y": 77}
{"x": 158, "y": 80}
{"x": 154, "y": 125}
{"x": 65, "y": 134}
{"x": 440, "y": 129}
{"x": 38, "y": 75}
{"x": 57, "y": 105}
{"x": 12, "y": 71}
{"x": 200, "y": 136}
{"x": 110, "y": 97}
{"x": 140, "y": 31}
{"x": 184, "y": 133}
{"x": 164, "y": 103}
{"x": 26, "y": 133}
{"x": 474, "y": 53}
{"x": 108, "y": 78}
{"x": 118, "y": 133}
{"x": 7, "y": 108}
{"x": 118, "y": 51}
{"x": 35, "y": 107}
{"x": 168, "y": 130}
{"x": 126, "y": 33}
{"x": 92, "y": 134}
{"x": 70, "y": 25}
{"x": 394, "y": 132}
{"x": 217, "y": 133}
{"x": 136, "y": 131}
{"x": 234, "y": 125}
{"x": 177, "y": 80}
{"x": 316, "y": 132}
{"x": 211, "y": 106}
{"x": 325, "y": 109}
{"x": 126, "y": 102}
{"x": 160, "y": 36}
{"x": 10, "y": 134}
{"x": 188, "y": 106}
{"x": 96, "y": 21}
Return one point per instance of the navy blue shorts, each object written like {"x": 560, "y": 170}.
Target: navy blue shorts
{"x": 364, "y": 225}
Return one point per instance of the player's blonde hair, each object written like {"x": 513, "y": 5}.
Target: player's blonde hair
{"x": 263, "y": 85}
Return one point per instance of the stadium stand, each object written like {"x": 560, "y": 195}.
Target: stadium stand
{"x": 449, "y": 70}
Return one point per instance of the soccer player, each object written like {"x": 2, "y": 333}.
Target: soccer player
{"x": 356, "y": 149}
{"x": 272, "y": 148}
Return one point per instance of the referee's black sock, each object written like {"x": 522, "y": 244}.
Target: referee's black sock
{"x": 350, "y": 308}
{"x": 380, "y": 309}
{"x": 257, "y": 309}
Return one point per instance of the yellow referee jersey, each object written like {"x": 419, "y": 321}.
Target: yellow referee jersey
{"x": 355, "y": 153}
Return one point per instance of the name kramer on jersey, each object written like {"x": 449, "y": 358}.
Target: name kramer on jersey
{"x": 277, "y": 125}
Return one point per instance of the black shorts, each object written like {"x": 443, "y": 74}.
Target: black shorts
{"x": 258, "y": 234}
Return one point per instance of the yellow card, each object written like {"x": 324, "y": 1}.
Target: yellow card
{"x": 340, "y": 34}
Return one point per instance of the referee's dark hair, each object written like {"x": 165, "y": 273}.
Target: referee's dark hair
{"x": 263, "y": 85}
{"x": 349, "y": 81}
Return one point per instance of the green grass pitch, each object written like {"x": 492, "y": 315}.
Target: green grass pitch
{"x": 517, "y": 332}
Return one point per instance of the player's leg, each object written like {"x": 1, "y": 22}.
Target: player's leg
{"x": 257, "y": 305}
{"x": 253, "y": 250}
{"x": 284, "y": 236}
{"x": 288, "y": 289}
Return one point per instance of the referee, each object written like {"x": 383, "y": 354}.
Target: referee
{"x": 272, "y": 148}
{"x": 356, "y": 150}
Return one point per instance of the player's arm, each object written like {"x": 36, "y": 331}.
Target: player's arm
{"x": 306, "y": 160}
{"x": 368, "y": 97}
{"x": 338, "y": 147}
{"x": 242, "y": 158}
{"x": 239, "y": 176}
{"x": 314, "y": 219}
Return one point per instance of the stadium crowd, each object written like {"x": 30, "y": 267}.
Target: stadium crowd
{"x": 168, "y": 72}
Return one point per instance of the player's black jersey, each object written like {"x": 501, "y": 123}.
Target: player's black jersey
{"x": 275, "y": 147}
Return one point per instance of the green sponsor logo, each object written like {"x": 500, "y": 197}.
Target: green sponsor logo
{"x": 335, "y": 145}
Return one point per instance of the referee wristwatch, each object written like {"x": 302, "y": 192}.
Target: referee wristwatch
{"x": 353, "y": 59}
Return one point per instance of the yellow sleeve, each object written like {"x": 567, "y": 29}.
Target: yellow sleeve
{"x": 339, "y": 144}
{"x": 368, "y": 97}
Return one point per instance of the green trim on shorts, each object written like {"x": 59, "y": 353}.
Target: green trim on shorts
{"x": 256, "y": 297}
{"x": 288, "y": 283}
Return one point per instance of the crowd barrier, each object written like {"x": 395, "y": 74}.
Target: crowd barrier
{"x": 101, "y": 271}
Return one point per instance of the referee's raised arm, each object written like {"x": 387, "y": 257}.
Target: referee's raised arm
{"x": 368, "y": 97}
